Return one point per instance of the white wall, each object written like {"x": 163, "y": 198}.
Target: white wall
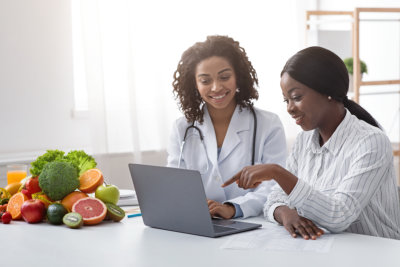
{"x": 36, "y": 83}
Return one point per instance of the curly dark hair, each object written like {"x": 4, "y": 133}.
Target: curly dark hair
{"x": 190, "y": 101}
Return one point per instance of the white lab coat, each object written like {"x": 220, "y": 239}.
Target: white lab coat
{"x": 235, "y": 154}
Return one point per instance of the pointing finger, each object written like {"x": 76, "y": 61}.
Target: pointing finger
{"x": 233, "y": 179}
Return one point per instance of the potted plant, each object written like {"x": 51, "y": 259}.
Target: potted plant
{"x": 349, "y": 65}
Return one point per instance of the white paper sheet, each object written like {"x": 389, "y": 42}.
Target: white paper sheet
{"x": 275, "y": 238}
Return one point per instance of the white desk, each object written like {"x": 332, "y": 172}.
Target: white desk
{"x": 131, "y": 243}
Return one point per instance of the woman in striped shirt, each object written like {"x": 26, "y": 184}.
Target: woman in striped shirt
{"x": 340, "y": 175}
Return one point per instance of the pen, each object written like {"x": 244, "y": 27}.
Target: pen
{"x": 134, "y": 215}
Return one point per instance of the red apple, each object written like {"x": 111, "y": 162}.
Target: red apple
{"x": 32, "y": 185}
{"x": 26, "y": 193}
{"x": 33, "y": 210}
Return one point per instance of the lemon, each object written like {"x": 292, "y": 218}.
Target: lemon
{"x": 13, "y": 187}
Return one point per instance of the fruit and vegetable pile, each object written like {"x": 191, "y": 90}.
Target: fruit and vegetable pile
{"x": 57, "y": 192}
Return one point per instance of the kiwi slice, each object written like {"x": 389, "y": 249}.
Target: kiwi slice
{"x": 73, "y": 220}
{"x": 114, "y": 212}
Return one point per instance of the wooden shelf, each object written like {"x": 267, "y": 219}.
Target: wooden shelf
{"x": 329, "y": 13}
{"x": 378, "y": 10}
{"x": 396, "y": 149}
{"x": 383, "y": 82}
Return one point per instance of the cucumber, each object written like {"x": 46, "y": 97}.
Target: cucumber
{"x": 114, "y": 212}
{"x": 73, "y": 220}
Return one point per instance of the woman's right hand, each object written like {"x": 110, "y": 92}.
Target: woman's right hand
{"x": 297, "y": 225}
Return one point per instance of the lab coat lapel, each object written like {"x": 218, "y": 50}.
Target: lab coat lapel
{"x": 239, "y": 122}
{"x": 210, "y": 140}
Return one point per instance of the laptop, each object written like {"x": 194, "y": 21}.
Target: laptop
{"x": 174, "y": 199}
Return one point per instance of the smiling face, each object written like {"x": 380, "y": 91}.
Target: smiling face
{"x": 216, "y": 83}
{"x": 309, "y": 108}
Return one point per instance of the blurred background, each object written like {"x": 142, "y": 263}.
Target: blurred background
{"x": 96, "y": 75}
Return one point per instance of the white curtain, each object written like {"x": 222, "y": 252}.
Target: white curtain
{"x": 130, "y": 50}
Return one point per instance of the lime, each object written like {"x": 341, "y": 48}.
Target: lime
{"x": 55, "y": 213}
{"x": 114, "y": 212}
{"x": 73, "y": 220}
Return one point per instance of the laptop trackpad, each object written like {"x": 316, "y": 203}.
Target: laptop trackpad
{"x": 227, "y": 224}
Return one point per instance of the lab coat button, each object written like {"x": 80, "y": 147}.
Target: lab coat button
{"x": 218, "y": 178}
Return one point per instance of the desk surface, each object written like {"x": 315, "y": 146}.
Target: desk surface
{"x": 131, "y": 243}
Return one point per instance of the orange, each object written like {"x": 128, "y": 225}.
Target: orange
{"x": 14, "y": 205}
{"x": 92, "y": 210}
{"x": 90, "y": 180}
{"x": 69, "y": 200}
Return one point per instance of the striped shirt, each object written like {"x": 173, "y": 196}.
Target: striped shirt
{"x": 348, "y": 184}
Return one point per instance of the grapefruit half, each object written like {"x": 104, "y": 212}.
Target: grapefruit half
{"x": 93, "y": 210}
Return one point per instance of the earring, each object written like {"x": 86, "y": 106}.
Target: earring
{"x": 329, "y": 97}
{"x": 237, "y": 90}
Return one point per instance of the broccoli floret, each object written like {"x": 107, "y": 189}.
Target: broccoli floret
{"x": 49, "y": 156}
{"x": 82, "y": 160}
{"x": 58, "y": 179}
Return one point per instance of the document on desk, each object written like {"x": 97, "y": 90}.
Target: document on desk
{"x": 275, "y": 238}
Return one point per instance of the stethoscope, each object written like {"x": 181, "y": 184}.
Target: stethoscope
{"x": 202, "y": 139}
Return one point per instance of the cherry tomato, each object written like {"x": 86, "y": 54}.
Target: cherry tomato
{"x": 6, "y": 218}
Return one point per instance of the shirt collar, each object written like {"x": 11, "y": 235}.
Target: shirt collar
{"x": 337, "y": 139}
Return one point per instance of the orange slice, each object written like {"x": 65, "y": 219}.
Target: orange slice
{"x": 90, "y": 180}
{"x": 14, "y": 205}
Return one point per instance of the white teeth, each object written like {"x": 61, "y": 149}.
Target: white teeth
{"x": 218, "y": 97}
{"x": 297, "y": 118}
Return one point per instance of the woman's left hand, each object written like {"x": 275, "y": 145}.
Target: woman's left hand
{"x": 296, "y": 224}
{"x": 225, "y": 211}
{"x": 252, "y": 176}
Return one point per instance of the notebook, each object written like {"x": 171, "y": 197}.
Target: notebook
{"x": 174, "y": 199}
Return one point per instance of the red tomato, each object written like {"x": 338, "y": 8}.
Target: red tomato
{"x": 32, "y": 185}
{"x": 6, "y": 218}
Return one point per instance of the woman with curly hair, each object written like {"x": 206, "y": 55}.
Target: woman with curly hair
{"x": 221, "y": 132}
